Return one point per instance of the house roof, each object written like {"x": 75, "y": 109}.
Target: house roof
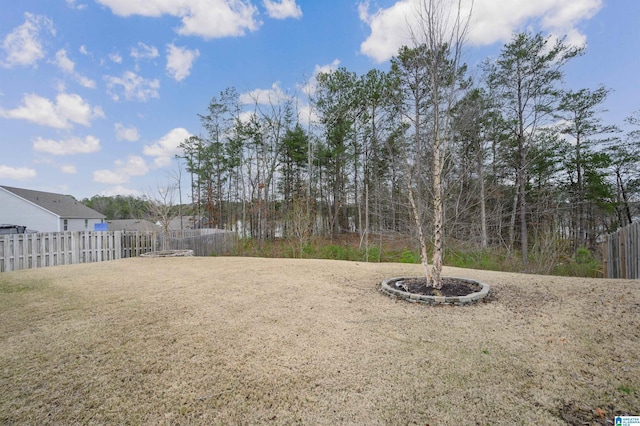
{"x": 132, "y": 225}
{"x": 64, "y": 206}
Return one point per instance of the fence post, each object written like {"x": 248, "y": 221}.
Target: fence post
{"x": 605, "y": 272}
{"x": 117, "y": 236}
{"x": 16, "y": 253}
{"x": 623, "y": 253}
{"x": 635, "y": 261}
{"x": 4, "y": 253}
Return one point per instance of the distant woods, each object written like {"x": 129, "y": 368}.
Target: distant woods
{"x": 529, "y": 168}
{"x": 119, "y": 206}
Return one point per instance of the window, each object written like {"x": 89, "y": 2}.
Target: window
{"x": 66, "y": 224}
{"x": 86, "y": 224}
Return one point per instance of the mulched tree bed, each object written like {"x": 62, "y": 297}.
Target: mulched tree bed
{"x": 168, "y": 253}
{"x": 450, "y": 287}
{"x": 454, "y": 291}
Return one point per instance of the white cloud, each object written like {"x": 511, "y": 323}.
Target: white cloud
{"x": 492, "y": 21}
{"x": 134, "y": 87}
{"x": 247, "y": 116}
{"x": 307, "y": 115}
{"x": 67, "y": 109}
{"x": 121, "y": 190}
{"x": 85, "y": 81}
{"x": 110, "y": 177}
{"x": 72, "y": 4}
{"x": 69, "y": 146}
{"x": 496, "y": 21}
{"x": 133, "y": 166}
{"x": 179, "y": 61}
{"x": 63, "y": 62}
{"x": 167, "y": 147}
{"x": 83, "y": 50}
{"x": 309, "y": 88}
{"x": 126, "y": 133}
{"x": 69, "y": 169}
{"x": 567, "y": 17}
{"x": 204, "y": 18}
{"x": 60, "y": 86}
{"x": 122, "y": 171}
{"x": 274, "y": 96}
{"x": 17, "y": 173}
{"x": 144, "y": 51}
{"x": 388, "y": 29}
{"x": 282, "y": 9}
{"x": 326, "y": 68}
{"x": 23, "y": 45}
{"x": 115, "y": 57}
{"x": 76, "y": 110}
{"x": 68, "y": 66}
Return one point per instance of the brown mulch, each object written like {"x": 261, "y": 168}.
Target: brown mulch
{"x": 450, "y": 287}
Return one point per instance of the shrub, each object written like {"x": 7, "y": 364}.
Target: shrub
{"x": 583, "y": 264}
{"x": 410, "y": 256}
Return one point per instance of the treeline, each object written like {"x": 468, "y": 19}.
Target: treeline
{"x": 529, "y": 167}
{"x": 119, "y": 206}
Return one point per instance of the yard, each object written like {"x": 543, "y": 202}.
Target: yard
{"x": 279, "y": 341}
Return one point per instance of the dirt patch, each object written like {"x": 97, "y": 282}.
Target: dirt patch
{"x": 279, "y": 341}
{"x": 575, "y": 415}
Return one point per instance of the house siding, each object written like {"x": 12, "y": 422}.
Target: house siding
{"x": 16, "y": 211}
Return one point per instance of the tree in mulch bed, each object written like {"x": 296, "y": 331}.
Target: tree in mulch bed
{"x": 435, "y": 64}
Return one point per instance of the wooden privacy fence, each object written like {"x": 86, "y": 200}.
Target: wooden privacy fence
{"x": 26, "y": 251}
{"x": 621, "y": 252}
{"x": 135, "y": 243}
{"x": 203, "y": 242}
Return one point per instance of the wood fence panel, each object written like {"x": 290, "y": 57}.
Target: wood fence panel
{"x": 24, "y": 251}
{"x": 203, "y": 242}
{"x": 621, "y": 253}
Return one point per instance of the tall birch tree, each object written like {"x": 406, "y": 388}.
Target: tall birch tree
{"x": 441, "y": 28}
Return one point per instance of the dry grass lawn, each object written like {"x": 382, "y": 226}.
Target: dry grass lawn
{"x": 276, "y": 341}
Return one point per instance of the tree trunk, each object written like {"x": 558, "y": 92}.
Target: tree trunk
{"x": 581, "y": 234}
{"x": 512, "y": 222}
{"x": 524, "y": 237}
{"x": 625, "y": 199}
{"x": 483, "y": 202}
{"x": 438, "y": 208}
{"x": 424, "y": 256}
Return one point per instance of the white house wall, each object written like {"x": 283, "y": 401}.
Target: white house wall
{"x": 16, "y": 211}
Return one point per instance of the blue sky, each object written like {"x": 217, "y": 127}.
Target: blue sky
{"x": 96, "y": 95}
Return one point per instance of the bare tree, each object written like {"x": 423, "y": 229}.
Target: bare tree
{"x": 162, "y": 208}
{"x": 441, "y": 29}
{"x": 176, "y": 175}
{"x": 301, "y": 225}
